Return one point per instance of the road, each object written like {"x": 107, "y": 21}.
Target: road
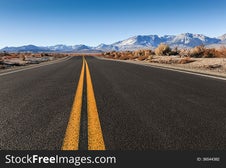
{"x": 127, "y": 107}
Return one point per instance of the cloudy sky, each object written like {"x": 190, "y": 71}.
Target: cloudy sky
{"x": 91, "y": 22}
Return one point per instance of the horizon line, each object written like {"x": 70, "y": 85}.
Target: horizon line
{"x": 50, "y": 45}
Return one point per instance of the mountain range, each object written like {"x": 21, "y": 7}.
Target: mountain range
{"x": 185, "y": 40}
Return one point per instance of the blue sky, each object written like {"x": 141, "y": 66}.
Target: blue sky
{"x": 91, "y": 22}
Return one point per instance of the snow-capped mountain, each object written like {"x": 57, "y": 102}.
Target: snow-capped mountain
{"x": 223, "y": 39}
{"x": 137, "y": 42}
{"x": 27, "y": 48}
{"x": 70, "y": 48}
{"x": 146, "y": 40}
{"x": 185, "y": 40}
{"x": 106, "y": 47}
{"x": 55, "y": 48}
{"x": 191, "y": 40}
{"x": 60, "y": 47}
{"x": 80, "y": 47}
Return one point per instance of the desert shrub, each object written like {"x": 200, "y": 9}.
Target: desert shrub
{"x": 141, "y": 58}
{"x": 174, "y": 51}
{"x": 222, "y": 51}
{"x": 211, "y": 53}
{"x": 139, "y": 53}
{"x": 44, "y": 54}
{"x": 134, "y": 57}
{"x": 185, "y": 52}
{"x": 22, "y": 57}
{"x": 148, "y": 52}
{"x": 185, "y": 60}
{"x": 4, "y": 53}
{"x": 124, "y": 57}
{"x": 110, "y": 56}
{"x": 116, "y": 55}
{"x": 107, "y": 54}
{"x": 202, "y": 52}
{"x": 130, "y": 56}
{"x": 163, "y": 49}
{"x": 197, "y": 51}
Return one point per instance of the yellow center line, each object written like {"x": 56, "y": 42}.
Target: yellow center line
{"x": 95, "y": 136}
{"x": 71, "y": 138}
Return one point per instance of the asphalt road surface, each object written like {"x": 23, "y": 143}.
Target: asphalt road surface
{"x": 126, "y": 107}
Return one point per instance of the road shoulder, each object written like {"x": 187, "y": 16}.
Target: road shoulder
{"x": 23, "y": 68}
{"x": 200, "y": 72}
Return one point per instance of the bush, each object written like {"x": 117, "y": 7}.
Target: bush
{"x": 163, "y": 49}
{"x": 124, "y": 57}
{"x": 211, "y": 53}
{"x": 175, "y": 51}
{"x": 141, "y": 58}
{"x": 223, "y": 52}
{"x": 185, "y": 60}
{"x": 148, "y": 52}
{"x": 197, "y": 51}
{"x": 202, "y": 52}
{"x": 138, "y": 53}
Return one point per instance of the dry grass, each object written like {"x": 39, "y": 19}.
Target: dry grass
{"x": 185, "y": 60}
{"x": 20, "y": 59}
{"x": 223, "y": 52}
{"x": 129, "y": 55}
{"x": 142, "y": 58}
{"x": 203, "y": 52}
{"x": 198, "y": 58}
{"x": 163, "y": 49}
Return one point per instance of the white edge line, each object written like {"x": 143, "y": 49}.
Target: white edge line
{"x": 187, "y": 72}
{"x": 37, "y": 66}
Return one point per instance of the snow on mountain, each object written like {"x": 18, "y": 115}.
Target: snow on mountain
{"x": 137, "y": 42}
{"x": 185, "y": 40}
{"x": 223, "y": 37}
{"x": 27, "y": 48}
{"x": 191, "y": 40}
{"x": 146, "y": 40}
{"x": 80, "y": 47}
{"x": 70, "y": 48}
{"x": 55, "y": 48}
{"x": 60, "y": 47}
{"x": 106, "y": 47}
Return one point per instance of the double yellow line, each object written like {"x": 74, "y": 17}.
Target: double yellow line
{"x": 95, "y": 136}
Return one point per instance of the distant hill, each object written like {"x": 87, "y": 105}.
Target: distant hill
{"x": 56, "y": 48}
{"x": 27, "y": 48}
{"x": 185, "y": 40}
